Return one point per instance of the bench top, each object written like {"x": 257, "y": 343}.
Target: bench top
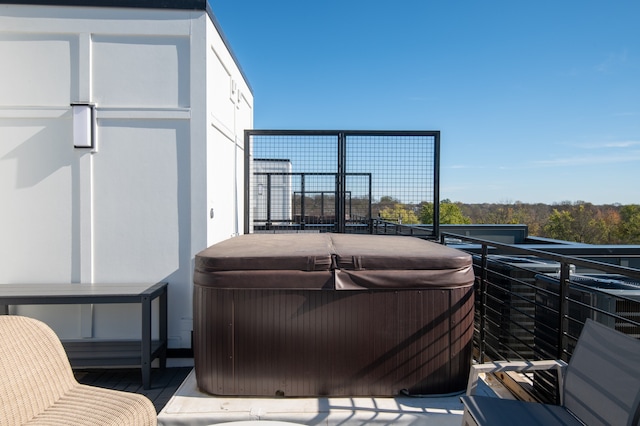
{"x": 70, "y": 292}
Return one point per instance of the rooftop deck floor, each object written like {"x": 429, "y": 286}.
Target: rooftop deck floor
{"x": 190, "y": 406}
{"x": 177, "y": 400}
{"x": 164, "y": 383}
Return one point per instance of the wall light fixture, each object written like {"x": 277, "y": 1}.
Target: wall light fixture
{"x": 83, "y": 125}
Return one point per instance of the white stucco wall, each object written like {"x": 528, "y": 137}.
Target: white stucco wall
{"x": 136, "y": 207}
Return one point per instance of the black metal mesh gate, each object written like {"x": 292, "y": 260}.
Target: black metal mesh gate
{"x": 339, "y": 181}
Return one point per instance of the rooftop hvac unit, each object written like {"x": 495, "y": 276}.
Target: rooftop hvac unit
{"x": 617, "y": 294}
{"x": 588, "y": 296}
{"x": 510, "y": 304}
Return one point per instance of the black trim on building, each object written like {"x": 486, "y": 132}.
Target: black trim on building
{"x": 151, "y": 4}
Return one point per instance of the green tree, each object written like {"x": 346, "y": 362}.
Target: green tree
{"x": 450, "y": 213}
{"x": 559, "y": 225}
{"x": 581, "y": 222}
{"x": 398, "y": 213}
{"x": 607, "y": 223}
{"x": 385, "y": 202}
{"x": 629, "y": 227}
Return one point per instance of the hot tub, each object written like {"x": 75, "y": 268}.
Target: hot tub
{"x": 332, "y": 315}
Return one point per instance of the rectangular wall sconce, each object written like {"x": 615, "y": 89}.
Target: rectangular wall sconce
{"x": 83, "y": 125}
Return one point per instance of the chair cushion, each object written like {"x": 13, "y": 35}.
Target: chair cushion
{"x": 37, "y": 386}
{"x": 602, "y": 383}
{"x": 88, "y": 406}
{"x": 496, "y": 412}
{"x": 34, "y": 369}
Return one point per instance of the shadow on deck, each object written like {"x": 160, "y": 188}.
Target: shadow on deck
{"x": 164, "y": 383}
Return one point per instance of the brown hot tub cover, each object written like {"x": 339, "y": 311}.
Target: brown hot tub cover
{"x": 332, "y": 314}
{"x": 396, "y": 262}
{"x": 275, "y": 261}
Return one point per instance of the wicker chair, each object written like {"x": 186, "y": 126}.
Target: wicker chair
{"x": 37, "y": 386}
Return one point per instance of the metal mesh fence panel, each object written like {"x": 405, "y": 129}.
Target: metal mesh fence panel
{"x": 402, "y": 173}
{"x": 291, "y": 180}
{"x": 337, "y": 181}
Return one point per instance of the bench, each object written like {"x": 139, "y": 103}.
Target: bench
{"x": 92, "y": 352}
{"x": 599, "y": 386}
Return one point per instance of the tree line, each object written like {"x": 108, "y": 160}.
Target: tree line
{"x": 577, "y": 221}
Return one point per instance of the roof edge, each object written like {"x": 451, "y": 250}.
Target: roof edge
{"x": 150, "y": 4}
{"x": 226, "y": 42}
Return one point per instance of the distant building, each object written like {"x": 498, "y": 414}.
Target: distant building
{"x": 121, "y": 150}
{"x": 272, "y": 178}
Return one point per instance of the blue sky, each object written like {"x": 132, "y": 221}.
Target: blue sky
{"x": 536, "y": 101}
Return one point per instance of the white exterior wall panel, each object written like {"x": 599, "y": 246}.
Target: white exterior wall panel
{"x": 150, "y": 71}
{"x": 136, "y": 207}
{"x": 230, "y": 107}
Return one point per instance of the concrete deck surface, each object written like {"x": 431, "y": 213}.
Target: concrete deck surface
{"x": 191, "y": 407}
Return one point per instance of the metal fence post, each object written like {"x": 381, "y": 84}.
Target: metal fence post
{"x": 370, "y": 209}
{"x": 303, "y": 211}
{"x": 341, "y": 184}
{"x": 268, "y": 224}
{"x": 247, "y": 180}
{"x": 436, "y": 185}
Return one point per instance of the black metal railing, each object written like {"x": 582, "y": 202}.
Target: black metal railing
{"x": 387, "y": 227}
{"x": 532, "y": 303}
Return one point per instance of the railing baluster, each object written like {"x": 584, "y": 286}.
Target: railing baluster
{"x": 483, "y": 299}
{"x": 563, "y": 320}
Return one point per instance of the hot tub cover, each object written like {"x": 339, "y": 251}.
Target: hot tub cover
{"x": 331, "y": 261}
{"x": 384, "y": 261}
{"x": 275, "y": 261}
{"x": 300, "y": 252}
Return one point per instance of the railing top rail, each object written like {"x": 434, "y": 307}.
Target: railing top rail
{"x": 312, "y": 173}
{"x": 511, "y": 248}
{"x": 263, "y": 132}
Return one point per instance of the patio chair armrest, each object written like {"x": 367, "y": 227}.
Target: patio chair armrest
{"x": 520, "y": 366}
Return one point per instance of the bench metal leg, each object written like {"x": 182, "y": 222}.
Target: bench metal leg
{"x": 163, "y": 331}
{"x": 146, "y": 343}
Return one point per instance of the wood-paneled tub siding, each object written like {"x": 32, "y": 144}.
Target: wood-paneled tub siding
{"x": 332, "y": 315}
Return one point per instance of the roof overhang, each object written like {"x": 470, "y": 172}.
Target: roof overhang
{"x": 149, "y": 4}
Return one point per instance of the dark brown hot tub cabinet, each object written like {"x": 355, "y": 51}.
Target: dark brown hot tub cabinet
{"x": 332, "y": 315}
